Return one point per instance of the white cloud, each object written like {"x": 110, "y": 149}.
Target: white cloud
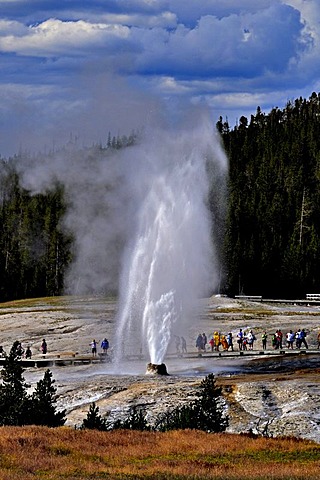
{"x": 165, "y": 19}
{"x": 201, "y": 50}
{"x": 169, "y": 85}
{"x": 54, "y": 37}
{"x": 310, "y": 15}
{"x": 256, "y": 42}
{"x": 229, "y": 55}
{"x": 12, "y": 28}
{"x": 244, "y": 100}
{"x": 189, "y": 12}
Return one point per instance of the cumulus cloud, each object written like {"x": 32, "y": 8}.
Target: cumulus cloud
{"x": 202, "y": 49}
{"x": 165, "y": 19}
{"x": 203, "y": 52}
{"x": 249, "y": 48}
{"x": 310, "y": 15}
{"x": 54, "y": 37}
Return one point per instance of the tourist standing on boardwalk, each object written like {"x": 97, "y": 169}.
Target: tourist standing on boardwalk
{"x": 204, "y": 341}
{"x": 216, "y": 338}
{"x": 199, "y": 343}
{"x": 230, "y": 341}
{"x": 105, "y": 346}
{"x": 250, "y": 339}
{"x": 276, "y": 340}
{"x": 28, "y": 353}
{"x": 240, "y": 338}
{"x": 177, "y": 343}
{"x": 303, "y": 338}
{"x": 44, "y": 346}
{"x": 19, "y": 350}
{"x": 290, "y": 339}
{"x": 183, "y": 345}
{"x": 264, "y": 338}
{"x": 94, "y": 347}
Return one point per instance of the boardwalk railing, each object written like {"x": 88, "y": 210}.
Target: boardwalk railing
{"x": 251, "y": 298}
{"x": 313, "y": 296}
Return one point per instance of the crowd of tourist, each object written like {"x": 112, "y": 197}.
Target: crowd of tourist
{"x": 246, "y": 339}
{"x": 243, "y": 339}
{"x": 27, "y": 352}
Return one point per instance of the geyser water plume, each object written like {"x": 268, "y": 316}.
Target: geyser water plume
{"x": 141, "y": 211}
{"x": 170, "y": 260}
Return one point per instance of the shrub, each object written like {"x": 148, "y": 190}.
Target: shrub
{"x": 205, "y": 412}
{"x": 180, "y": 418}
{"x": 136, "y": 420}
{"x": 94, "y": 421}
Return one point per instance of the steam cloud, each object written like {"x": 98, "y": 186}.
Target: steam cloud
{"x": 141, "y": 224}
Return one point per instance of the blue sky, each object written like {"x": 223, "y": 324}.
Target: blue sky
{"x": 72, "y": 69}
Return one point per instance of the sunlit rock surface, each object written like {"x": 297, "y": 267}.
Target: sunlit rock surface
{"x": 278, "y": 397}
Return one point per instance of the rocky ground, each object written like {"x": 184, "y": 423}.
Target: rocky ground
{"x": 272, "y": 394}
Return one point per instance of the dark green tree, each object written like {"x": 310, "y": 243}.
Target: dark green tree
{"x": 180, "y": 418}
{"x": 43, "y": 408}
{"x": 209, "y": 411}
{"x": 271, "y": 245}
{"x": 34, "y": 252}
{"x": 19, "y": 408}
{"x": 205, "y": 412}
{"x": 136, "y": 420}
{"x": 14, "y": 400}
{"x": 93, "y": 420}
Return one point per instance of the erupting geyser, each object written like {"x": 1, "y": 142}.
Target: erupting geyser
{"x": 170, "y": 260}
{"x": 151, "y": 211}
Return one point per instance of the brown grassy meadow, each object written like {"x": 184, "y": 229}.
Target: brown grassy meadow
{"x": 63, "y": 453}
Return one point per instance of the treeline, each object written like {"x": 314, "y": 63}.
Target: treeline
{"x": 34, "y": 251}
{"x": 272, "y": 244}
{"x": 272, "y": 236}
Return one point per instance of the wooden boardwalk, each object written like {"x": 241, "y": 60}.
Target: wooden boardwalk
{"x": 63, "y": 360}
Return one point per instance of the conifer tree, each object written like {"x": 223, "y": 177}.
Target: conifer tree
{"x": 14, "y": 400}
{"x": 16, "y": 406}
{"x": 136, "y": 420}
{"x": 204, "y": 413}
{"x": 43, "y": 403}
{"x": 93, "y": 421}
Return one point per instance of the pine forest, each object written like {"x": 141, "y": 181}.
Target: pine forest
{"x": 270, "y": 244}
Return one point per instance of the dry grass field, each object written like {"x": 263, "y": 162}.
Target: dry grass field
{"x": 31, "y": 453}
